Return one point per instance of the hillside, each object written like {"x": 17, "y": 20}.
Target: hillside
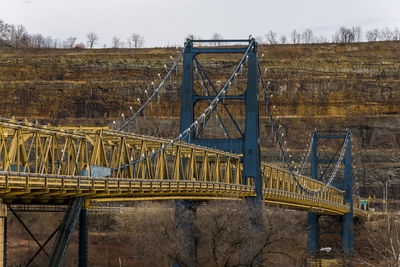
{"x": 324, "y": 86}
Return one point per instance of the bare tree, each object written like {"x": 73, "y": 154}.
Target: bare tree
{"x": 225, "y": 232}
{"x": 372, "y": 35}
{"x": 283, "y": 39}
{"x": 5, "y": 32}
{"x": 216, "y": 36}
{"x": 37, "y": 41}
{"x": 357, "y": 34}
{"x": 229, "y": 229}
{"x": 386, "y": 34}
{"x": 344, "y": 35}
{"x": 307, "y": 36}
{"x": 56, "y": 43}
{"x": 383, "y": 235}
{"x": 50, "y": 43}
{"x": 70, "y": 42}
{"x": 271, "y": 37}
{"x": 92, "y": 39}
{"x": 18, "y": 36}
{"x": 80, "y": 45}
{"x": 116, "y": 42}
{"x": 135, "y": 41}
{"x": 295, "y": 36}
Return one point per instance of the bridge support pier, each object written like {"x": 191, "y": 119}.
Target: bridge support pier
{"x": 185, "y": 211}
{"x": 254, "y": 206}
{"x": 83, "y": 235}
{"x": 313, "y": 233}
{"x": 347, "y": 233}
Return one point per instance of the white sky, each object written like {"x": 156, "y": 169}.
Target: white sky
{"x": 168, "y": 22}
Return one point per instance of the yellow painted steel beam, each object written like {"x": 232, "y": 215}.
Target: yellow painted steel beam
{"x": 43, "y": 162}
{"x": 163, "y": 198}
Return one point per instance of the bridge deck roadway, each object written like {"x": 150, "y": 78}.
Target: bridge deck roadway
{"x": 51, "y": 189}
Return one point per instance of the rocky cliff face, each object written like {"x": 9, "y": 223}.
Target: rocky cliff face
{"x": 327, "y": 86}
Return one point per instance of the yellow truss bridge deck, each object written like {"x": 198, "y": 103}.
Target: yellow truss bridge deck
{"x": 44, "y": 164}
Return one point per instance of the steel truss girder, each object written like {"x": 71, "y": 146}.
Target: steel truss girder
{"x": 182, "y": 168}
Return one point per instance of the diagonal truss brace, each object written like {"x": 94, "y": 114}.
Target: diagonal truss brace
{"x": 65, "y": 233}
{"x": 203, "y": 75}
{"x": 29, "y": 231}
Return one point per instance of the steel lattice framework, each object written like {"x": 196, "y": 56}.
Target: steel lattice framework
{"x": 44, "y": 164}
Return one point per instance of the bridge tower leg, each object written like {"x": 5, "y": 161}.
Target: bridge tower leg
{"x": 247, "y": 145}
{"x": 313, "y": 233}
{"x": 251, "y": 147}
{"x": 313, "y": 219}
{"x": 347, "y": 233}
{"x": 83, "y": 235}
{"x": 185, "y": 209}
{"x": 347, "y": 228}
{"x": 251, "y": 139}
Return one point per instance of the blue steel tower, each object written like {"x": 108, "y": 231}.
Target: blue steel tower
{"x": 346, "y": 233}
{"x": 248, "y": 144}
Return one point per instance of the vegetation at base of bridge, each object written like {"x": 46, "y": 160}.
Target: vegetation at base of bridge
{"x": 149, "y": 237}
{"x": 145, "y": 234}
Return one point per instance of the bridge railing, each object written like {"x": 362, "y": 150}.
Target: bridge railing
{"x": 280, "y": 185}
{"x": 48, "y": 150}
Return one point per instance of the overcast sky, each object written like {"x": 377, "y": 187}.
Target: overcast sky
{"x": 168, "y": 22}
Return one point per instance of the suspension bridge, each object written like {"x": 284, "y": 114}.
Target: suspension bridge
{"x": 44, "y": 164}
